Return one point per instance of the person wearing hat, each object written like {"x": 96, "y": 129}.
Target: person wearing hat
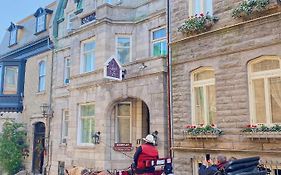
{"x": 144, "y": 155}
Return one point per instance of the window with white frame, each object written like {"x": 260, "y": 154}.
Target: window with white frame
{"x": 70, "y": 18}
{"x": 88, "y": 58}
{"x": 42, "y": 76}
{"x": 13, "y": 37}
{"x": 66, "y": 76}
{"x": 265, "y": 90}
{"x": 123, "y": 122}
{"x": 197, "y": 7}
{"x": 158, "y": 42}
{"x": 203, "y": 96}
{"x": 41, "y": 23}
{"x": 10, "y": 80}
{"x": 65, "y": 122}
{"x": 86, "y": 124}
{"x": 123, "y": 49}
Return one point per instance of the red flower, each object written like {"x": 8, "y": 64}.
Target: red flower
{"x": 187, "y": 126}
{"x": 201, "y": 14}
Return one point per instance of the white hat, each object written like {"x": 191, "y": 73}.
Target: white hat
{"x": 149, "y": 138}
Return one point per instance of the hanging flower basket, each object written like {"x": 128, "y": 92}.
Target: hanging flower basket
{"x": 250, "y": 8}
{"x": 262, "y": 132}
{"x": 201, "y": 132}
{"x": 197, "y": 24}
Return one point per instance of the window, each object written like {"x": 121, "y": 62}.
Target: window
{"x": 203, "y": 96}
{"x": 123, "y": 122}
{"x": 200, "y": 6}
{"x": 159, "y": 42}
{"x": 70, "y": 18}
{"x": 42, "y": 76}
{"x": 41, "y": 23}
{"x": 265, "y": 90}
{"x": 10, "y": 80}
{"x": 86, "y": 124}
{"x": 0, "y": 76}
{"x": 13, "y": 37}
{"x": 65, "y": 121}
{"x": 66, "y": 70}
{"x": 88, "y": 55}
{"x": 79, "y": 5}
{"x": 123, "y": 49}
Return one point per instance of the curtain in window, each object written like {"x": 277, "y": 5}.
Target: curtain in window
{"x": 123, "y": 122}
{"x": 259, "y": 96}
{"x": 275, "y": 97}
{"x": 10, "y": 80}
{"x": 123, "y": 49}
{"x": 87, "y": 123}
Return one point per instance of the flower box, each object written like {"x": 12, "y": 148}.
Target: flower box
{"x": 201, "y": 132}
{"x": 262, "y": 132}
{"x": 262, "y": 135}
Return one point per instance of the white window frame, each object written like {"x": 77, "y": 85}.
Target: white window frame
{"x": 157, "y": 40}
{"x": 202, "y": 10}
{"x": 82, "y": 55}
{"x": 5, "y": 77}
{"x": 70, "y": 18}
{"x": 204, "y": 84}
{"x": 79, "y": 142}
{"x": 265, "y": 75}
{"x": 42, "y": 76}
{"x": 13, "y": 37}
{"x": 41, "y": 23}
{"x": 116, "y": 120}
{"x": 66, "y": 69}
{"x": 64, "y": 135}
{"x": 130, "y": 47}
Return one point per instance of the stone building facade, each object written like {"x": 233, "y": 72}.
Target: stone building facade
{"x": 228, "y": 76}
{"x": 86, "y": 34}
{"x": 26, "y": 66}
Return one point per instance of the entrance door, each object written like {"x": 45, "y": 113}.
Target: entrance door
{"x": 38, "y": 148}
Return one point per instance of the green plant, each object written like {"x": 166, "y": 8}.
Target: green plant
{"x": 262, "y": 128}
{"x": 247, "y": 7}
{"x": 201, "y": 130}
{"x": 12, "y": 145}
{"x": 197, "y": 24}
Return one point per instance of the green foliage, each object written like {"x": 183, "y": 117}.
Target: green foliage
{"x": 262, "y": 128}
{"x": 12, "y": 144}
{"x": 247, "y": 7}
{"x": 197, "y": 24}
{"x": 204, "y": 130}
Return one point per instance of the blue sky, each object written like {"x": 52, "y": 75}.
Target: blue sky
{"x": 15, "y": 10}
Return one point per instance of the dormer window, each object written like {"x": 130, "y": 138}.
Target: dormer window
{"x": 41, "y": 16}
{"x": 13, "y": 29}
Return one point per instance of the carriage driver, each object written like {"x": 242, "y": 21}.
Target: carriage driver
{"x": 143, "y": 156}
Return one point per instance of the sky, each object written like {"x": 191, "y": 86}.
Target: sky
{"x": 15, "y": 10}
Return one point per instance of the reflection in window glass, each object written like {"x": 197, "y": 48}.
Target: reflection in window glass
{"x": 40, "y": 23}
{"x": 159, "y": 42}
{"x": 42, "y": 76}
{"x": 87, "y": 123}
{"x": 123, "y": 49}
{"x": 13, "y": 37}
{"x": 88, "y": 56}
{"x": 10, "y": 80}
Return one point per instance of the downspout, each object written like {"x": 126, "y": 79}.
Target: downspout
{"x": 48, "y": 164}
{"x": 169, "y": 81}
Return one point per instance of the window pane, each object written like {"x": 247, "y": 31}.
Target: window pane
{"x": 124, "y": 110}
{"x": 13, "y": 36}
{"x": 42, "y": 83}
{"x": 42, "y": 69}
{"x": 40, "y": 23}
{"x": 275, "y": 97}
{"x": 211, "y": 95}
{"x": 197, "y": 7}
{"x": 123, "y": 55}
{"x": 266, "y": 65}
{"x": 259, "y": 100}
{"x": 87, "y": 110}
{"x": 10, "y": 80}
{"x": 88, "y": 62}
{"x": 208, "y": 7}
{"x": 123, "y": 42}
{"x": 123, "y": 129}
{"x": 0, "y": 76}
{"x": 199, "y": 105}
{"x": 159, "y": 34}
{"x": 89, "y": 46}
{"x": 160, "y": 48}
{"x": 87, "y": 127}
{"x": 204, "y": 75}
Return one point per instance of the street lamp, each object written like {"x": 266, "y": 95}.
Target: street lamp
{"x": 44, "y": 108}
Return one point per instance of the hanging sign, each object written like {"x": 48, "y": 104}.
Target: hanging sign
{"x": 113, "y": 69}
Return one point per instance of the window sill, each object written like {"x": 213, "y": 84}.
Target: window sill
{"x": 13, "y": 44}
{"x": 39, "y": 32}
{"x": 262, "y": 135}
{"x": 60, "y": 20}
{"x": 41, "y": 93}
{"x": 201, "y": 136}
{"x": 78, "y": 11}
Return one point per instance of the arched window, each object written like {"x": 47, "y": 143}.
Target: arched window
{"x": 265, "y": 90}
{"x": 42, "y": 76}
{"x": 203, "y": 95}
